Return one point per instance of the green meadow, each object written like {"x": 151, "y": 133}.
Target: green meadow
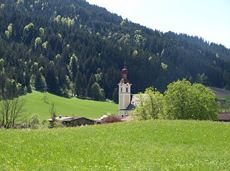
{"x": 146, "y": 145}
{"x": 40, "y": 104}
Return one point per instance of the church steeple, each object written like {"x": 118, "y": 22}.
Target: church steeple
{"x": 124, "y": 92}
{"x": 124, "y": 75}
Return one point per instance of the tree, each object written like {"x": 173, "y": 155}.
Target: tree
{"x": 73, "y": 66}
{"x": 204, "y": 105}
{"x": 2, "y": 78}
{"x": 7, "y": 34}
{"x": 10, "y": 109}
{"x": 38, "y": 41}
{"x": 202, "y": 78}
{"x": 52, "y": 79}
{"x": 140, "y": 111}
{"x": 150, "y": 104}
{"x": 52, "y": 114}
{"x": 97, "y": 92}
{"x": 41, "y": 31}
{"x": 11, "y": 106}
{"x": 186, "y": 101}
{"x": 164, "y": 66}
{"x": 115, "y": 95}
{"x": 28, "y": 33}
{"x": 9, "y": 31}
{"x": 40, "y": 82}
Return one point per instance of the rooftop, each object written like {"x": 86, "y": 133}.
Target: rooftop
{"x": 224, "y": 117}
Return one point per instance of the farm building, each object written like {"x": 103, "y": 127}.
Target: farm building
{"x": 224, "y": 117}
{"x": 78, "y": 121}
{"x": 73, "y": 121}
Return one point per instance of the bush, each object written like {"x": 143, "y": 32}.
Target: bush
{"x": 34, "y": 122}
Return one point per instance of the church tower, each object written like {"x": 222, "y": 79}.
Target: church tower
{"x": 124, "y": 92}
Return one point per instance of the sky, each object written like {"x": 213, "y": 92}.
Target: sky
{"x": 209, "y": 19}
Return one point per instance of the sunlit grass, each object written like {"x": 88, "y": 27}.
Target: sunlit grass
{"x": 150, "y": 145}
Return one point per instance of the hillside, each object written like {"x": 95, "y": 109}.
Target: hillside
{"x": 151, "y": 145}
{"x": 220, "y": 93}
{"x": 40, "y": 103}
{"x": 73, "y": 48}
{"x": 224, "y": 97}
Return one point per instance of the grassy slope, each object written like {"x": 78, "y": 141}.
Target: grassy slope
{"x": 151, "y": 145}
{"x": 35, "y": 104}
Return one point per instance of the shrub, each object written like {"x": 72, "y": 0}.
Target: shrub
{"x": 34, "y": 122}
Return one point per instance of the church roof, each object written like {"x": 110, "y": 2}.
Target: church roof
{"x": 131, "y": 107}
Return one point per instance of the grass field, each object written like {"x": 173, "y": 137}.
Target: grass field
{"x": 150, "y": 145}
{"x": 35, "y": 103}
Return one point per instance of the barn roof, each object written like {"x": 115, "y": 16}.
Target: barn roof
{"x": 224, "y": 117}
{"x": 74, "y": 118}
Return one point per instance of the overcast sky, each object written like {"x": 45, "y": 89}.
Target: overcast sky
{"x": 209, "y": 19}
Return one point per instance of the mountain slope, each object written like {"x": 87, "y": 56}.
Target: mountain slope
{"x": 70, "y": 47}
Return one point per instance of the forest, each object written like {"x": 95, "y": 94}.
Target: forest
{"x": 71, "y": 48}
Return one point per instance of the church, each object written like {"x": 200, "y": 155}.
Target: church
{"x": 126, "y": 105}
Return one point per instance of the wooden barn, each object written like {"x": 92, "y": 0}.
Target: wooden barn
{"x": 72, "y": 121}
{"x": 77, "y": 121}
{"x": 224, "y": 117}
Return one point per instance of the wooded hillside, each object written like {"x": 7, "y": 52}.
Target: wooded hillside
{"x": 73, "y": 48}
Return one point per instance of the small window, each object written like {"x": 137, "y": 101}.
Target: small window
{"x": 127, "y": 89}
{"x": 121, "y": 89}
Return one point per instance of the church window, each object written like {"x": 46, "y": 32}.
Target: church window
{"x": 127, "y": 89}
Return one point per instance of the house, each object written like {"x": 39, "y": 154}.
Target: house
{"x": 78, "y": 121}
{"x": 224, "y": 117}
{"x": 72, "y": 121}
